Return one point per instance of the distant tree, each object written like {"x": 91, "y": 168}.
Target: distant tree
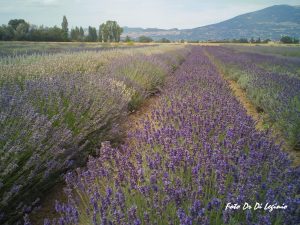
{"x": 17, "y": 29}
{"x": 7, "y": 33}
{"x": 110, "y": 31}
{"x": 127, "y": 39}
{"x": 55, "y": 34}
{"x": 266, "y": 41}
{"x": 92, "y": 34}
{"x": 45, "y": 34}
{"x": 35, "y": 33}
{"x": 118, "y": 31}
{"x": 74, "y": 34}
{"x": 296, "y": 41}
{"x": 100, "y": 34}
{"x": 287, "y": 40}
{"x": 164, "y": 40}
{"x": 182, "y": 41}
{"x": 77, "y": 34}
{"x": 243, "y": 40}
{"x": 15, "y": 23}
{"x": 103, "y": 31}
{"x": 1, "y": 33}
{"x": 225, "y": 41}
{"x": 21, "y": 32}
{"x": 252, "y": 40}
{"x": 81, "y": 34}
{"x": 145, "y": 39}
{"x": 64, "y": 26}
{"x": 258, "y": 40}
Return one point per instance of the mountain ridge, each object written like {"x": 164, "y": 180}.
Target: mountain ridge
{"x": 268, "y": 23}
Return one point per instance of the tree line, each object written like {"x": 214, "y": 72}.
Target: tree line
{"x": 20, "y": 30}
{"x": 241, "y": 40}
{"x": 289, "y": 40}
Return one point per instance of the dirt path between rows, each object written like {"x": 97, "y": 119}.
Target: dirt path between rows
{"x": 240, "y": 94}
{"x": 47, "y": 207}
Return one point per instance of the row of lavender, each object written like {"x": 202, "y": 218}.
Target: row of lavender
{"x": 52, "y": 122}
{"x": 272, "y": 63}
{"x": 12, "y": 49}
{"x": 276, "y": 93}
{"x": 193, "y": 156}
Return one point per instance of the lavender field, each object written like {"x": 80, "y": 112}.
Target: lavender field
{"x": 192, "y": 157}
{"x": 195, "y": 152}
{"x": 135, "y": 112}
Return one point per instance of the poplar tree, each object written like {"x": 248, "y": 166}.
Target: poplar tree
{"x": 64, "y": 26}
{"x": 92, "y": 35}
{"x": 110, "y": 31}
{"x": 81, "y": 34}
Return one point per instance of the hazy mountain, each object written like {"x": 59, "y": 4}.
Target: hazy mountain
{"x": 271, "y": 22}
{"x": 151, "y": 32}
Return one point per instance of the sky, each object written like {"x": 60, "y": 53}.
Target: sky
{"x": 165, "y": 14}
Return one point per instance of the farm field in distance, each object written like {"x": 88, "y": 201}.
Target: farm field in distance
{"x": 272, "y": 49}
{"x": 13, "y": 48}
{"x": 199, "y": 145}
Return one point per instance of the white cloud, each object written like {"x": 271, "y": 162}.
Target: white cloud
{"x": 50, "y": 2}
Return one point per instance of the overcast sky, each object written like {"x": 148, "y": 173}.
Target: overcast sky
{"x": 133, "y": 13}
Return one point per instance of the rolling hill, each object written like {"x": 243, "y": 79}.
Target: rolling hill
{"x": 271, "y": 22}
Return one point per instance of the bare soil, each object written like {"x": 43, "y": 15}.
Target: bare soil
{"x": 47, "y": 207}
{"x": 252, "y": 111}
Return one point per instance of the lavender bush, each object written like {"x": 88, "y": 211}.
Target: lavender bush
{"x": 51, "y": 121}
{"x": 195, "y": 152}
{"x": 144, "y": 74}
